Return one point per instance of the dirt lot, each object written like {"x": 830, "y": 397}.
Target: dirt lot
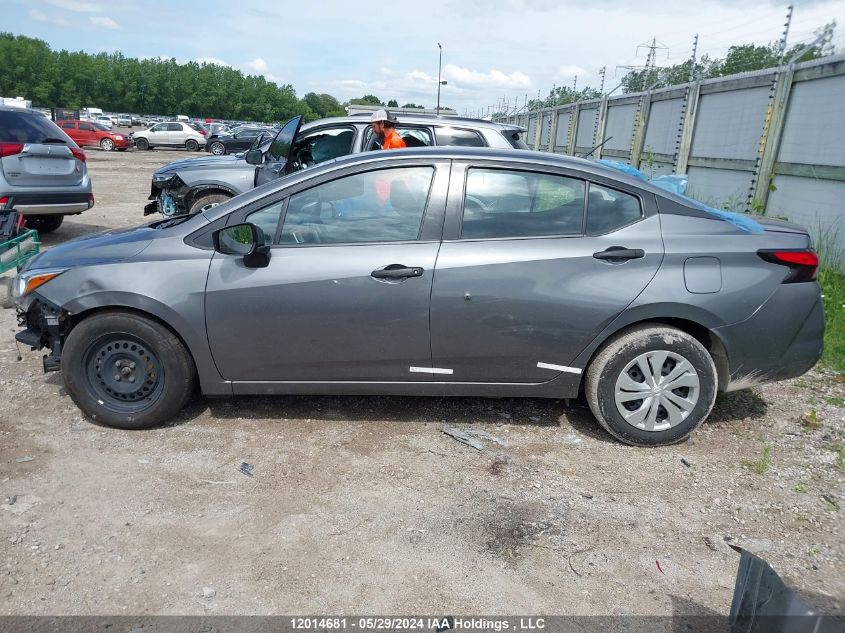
{"x": 363, "y": 505}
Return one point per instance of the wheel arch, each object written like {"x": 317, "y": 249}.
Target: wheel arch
{"x": 202, "y": 190}
{"x": 195, "y": 342}
{"x": 698, "y": 323}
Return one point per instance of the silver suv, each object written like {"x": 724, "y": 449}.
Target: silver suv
{"x": 42, "y": 171}
{"x": 170, "y": 134}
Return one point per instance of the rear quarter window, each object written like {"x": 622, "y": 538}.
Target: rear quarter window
{"x": 514, "y": 137}
{"x": 24, "y": 127}
{"x": 454, "y": 137}
{"x": 610, "y": 209}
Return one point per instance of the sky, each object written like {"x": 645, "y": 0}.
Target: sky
{"x": 493, "y": 50}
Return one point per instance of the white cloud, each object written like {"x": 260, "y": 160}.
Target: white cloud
{"x": 568, "y": 71}
{"x": 40, "y": 16}
{"x": 75, "y": 5}
{"x": 210, "y": 60}
{"x": 256, "y": 66}
{"x": 105, "y": 22}
{"x": 468, "y": 78}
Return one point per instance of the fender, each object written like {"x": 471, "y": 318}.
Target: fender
{"x": 195, "y": 340}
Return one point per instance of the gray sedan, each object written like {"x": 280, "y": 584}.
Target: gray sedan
{"x": 456, "y": 272}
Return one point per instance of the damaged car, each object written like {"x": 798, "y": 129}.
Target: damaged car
{"x": 432, "y": 272}
{"x": 198, "y": 184}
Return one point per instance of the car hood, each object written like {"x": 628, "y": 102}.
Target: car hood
{"x": 97, "y": 248}
{"x": 203, "y": 162}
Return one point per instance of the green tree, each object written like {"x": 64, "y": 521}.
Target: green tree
{"x": 393, "y": 103}
{"x": 367, "y": 100}
{"x": 413, "y": 105}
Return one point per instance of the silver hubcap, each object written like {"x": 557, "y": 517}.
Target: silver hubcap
{"x": 208, "y": 206}
{"x": 217, "y": 149}
{"x": 657, "y": 390}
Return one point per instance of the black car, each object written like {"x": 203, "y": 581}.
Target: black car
{"x": 236, "y": 140}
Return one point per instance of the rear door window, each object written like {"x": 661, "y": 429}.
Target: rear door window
{"x": 24, "y": 127}
{"x": 87, "y": 127}
{"x": 610, "y": 209}
{"x": 500, "y": 203}
{"x": 456, "y": 137}
{"x": 413, "y": 137}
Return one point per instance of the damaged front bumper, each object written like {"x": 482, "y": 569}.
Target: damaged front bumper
{"x": 45, "y": 326}
{"x": 168, "y": 194}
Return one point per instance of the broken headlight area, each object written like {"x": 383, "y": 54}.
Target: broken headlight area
{"x": 45, "y": 326}
{"x": 167, "y": 193}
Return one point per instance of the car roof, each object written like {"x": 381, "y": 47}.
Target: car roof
{"x": 418, "y": 119}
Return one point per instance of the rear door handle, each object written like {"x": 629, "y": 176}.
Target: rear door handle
{"x": 396, "y": 271}
{"x": 620, "y": 253}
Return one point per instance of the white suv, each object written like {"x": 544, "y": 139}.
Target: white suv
{"x": 169, "y": 134}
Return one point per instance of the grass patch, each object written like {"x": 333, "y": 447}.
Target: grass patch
{"x": 832, "y": 281}
{"x": 810, "y": 421}
{"x": 801, "y": 488}
{"x": 835, "y": 401}
{"x": 762, "y": 464}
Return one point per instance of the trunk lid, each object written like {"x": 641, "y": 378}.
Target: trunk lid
{"x": 43, "y": 165}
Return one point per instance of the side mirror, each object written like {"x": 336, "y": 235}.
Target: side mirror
{"x": 254, "y": 157}
{"x": 246, "y": 240}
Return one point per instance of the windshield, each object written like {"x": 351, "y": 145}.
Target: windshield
{"x": 25, "y": 127}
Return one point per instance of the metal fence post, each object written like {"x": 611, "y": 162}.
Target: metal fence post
{"x": 687, "y": 129}
{"x": 555, "y": 114}
{"x": 574, "y": 115}
{"x": 640, "y": 124}
{"x": 770, "y": 140}
{"x": 598, "y": 137}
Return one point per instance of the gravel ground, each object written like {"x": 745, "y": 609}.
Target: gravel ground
{"x": 363, "y": 505}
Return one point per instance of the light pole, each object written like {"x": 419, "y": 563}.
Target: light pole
{"x": 439, "y": 83}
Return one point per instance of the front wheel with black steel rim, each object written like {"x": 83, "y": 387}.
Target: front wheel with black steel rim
{"x": 126, "y": 370}
{"x": 651, "y": 385}
{"x": 217, "y": 148}
{"x": 142, "y": 144}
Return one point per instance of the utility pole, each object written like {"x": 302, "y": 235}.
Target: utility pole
{"x": 785, "y": 33}
{"x": 439, "y": 67}
{"x": 650, "y": 62}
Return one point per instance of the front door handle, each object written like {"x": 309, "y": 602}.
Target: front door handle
{"x": 396, "y": 272}
{"x": 620, "y": 253}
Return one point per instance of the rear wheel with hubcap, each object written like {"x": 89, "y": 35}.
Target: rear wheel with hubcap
{"x": 651, "y": 385}
{"x": 126, "y": 370}
{"x": 191, "y": 145}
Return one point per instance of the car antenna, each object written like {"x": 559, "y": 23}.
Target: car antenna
{"x": 588, "y": 154}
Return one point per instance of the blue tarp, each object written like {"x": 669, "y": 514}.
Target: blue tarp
{"x": 678, "y": 185}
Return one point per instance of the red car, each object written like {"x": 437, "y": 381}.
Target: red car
{"x": 88, "y": 133}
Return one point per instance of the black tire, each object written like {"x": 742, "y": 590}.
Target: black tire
{"x": 191, "y": 145}
{"x": 121, "y": 149}
{"x": 217, "y": 148}
{"x": 44, "y": 223}
{"x": 142, "y": 144}
{"x": 107, "y": 145}
{"x": 616, "y": 355}
{"x": 208, "y": 199}
{"x": 112, "y": 342}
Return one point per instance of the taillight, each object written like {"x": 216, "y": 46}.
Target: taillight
{"x": 4, "y": 201}
{"x": 90, "y": 200}
{"x": 78, "y": 153}
{"x": 803, "y": 264}
{"x": 201, "y": 132}
{"x": 10, "y": 149}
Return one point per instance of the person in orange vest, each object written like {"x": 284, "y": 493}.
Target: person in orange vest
{"x": 384, "y": 127}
